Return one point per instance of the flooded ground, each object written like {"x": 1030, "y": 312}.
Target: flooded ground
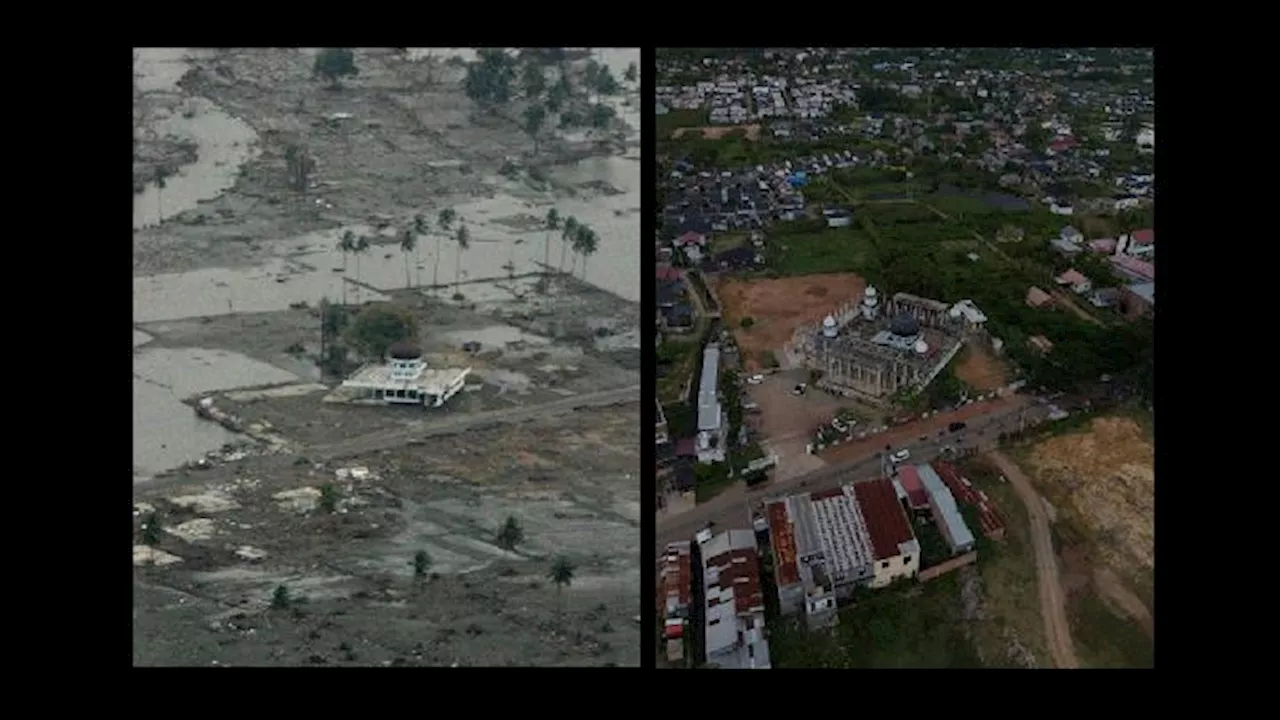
{"x": 230, "y": 264}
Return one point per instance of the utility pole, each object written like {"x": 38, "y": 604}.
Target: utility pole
{"x": 324, "y": 336}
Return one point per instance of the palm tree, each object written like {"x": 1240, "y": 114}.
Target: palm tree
{"x": 567, "y": 233}
{"x": 445, "y": 221}
{"x": 561, "y": 574}
{"x": 361, "y": 247}
{"x": 419, "y": 229}
{"x": 346, "y": 245}
{"x": 587, "y": 244}
{"x": 552, "y": 223}
{"x": 159, "y": 179}
{"x": 510, "y": 535}
{"x": 408, "y": 244}
{"x": 150, "y": 531}
{"x": 463, "y": 238}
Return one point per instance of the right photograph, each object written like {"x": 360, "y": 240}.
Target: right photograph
{"x": 905, "y": 357}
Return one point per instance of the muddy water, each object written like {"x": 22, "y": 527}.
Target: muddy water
{"x": 166, "y": 432}
{"x": 225, "y": 142}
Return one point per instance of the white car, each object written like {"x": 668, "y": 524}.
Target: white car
{"x": 900, "y": 456}
{"x": 755, "y": 379}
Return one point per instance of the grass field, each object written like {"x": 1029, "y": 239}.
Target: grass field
{"x": 1105, "y": 639}
{"x": 676, "y": 119}
{"x": 909, "y": 626}
{"x": 721, "y": 242}
{"x": 822, "y": 251}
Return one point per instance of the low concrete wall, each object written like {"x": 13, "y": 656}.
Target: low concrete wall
{"x": 954, "y": 563}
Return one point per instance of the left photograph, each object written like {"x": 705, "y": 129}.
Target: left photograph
{"x": 386, "y": 357}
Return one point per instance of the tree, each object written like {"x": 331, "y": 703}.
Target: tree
{"x": 602, "y": 115}
{"x": 280, "y": 598}
{"x": 333, "y": 64}
{"x": 379, "y": 326}
{"x": 445, "y": 221}
{"x": 346, "y": 245}
{"x": 421, "y": 563}
{"x": 533, "y": 80}
{"x": 510, "y": 535}
{"x": 632, "y": 74}
{"x": 561, "y": 574}
{"x": 361, "y": 247}
{"x": 420, "y": 228}
{"x": 587, "y": 244}
{"x": 605, "y": 82}
{"x": 408, "y": 244}
{"x": 463, "y": 239}
{"x": 552, "y": 223}
{"x": 488, "y": 80}
{"x": 328, "y": 499}
{"x": 567, "y": 233}
{"x": 534, "y": 116}
{"x": 559, "y": 94}
{"x": 160, "y": 185}
{"x": 299, "y": 166}
{"x": 151, "y": 531}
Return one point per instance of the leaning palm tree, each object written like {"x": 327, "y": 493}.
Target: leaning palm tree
{"x": 463, "y": 239}
{"x": 361, "y": 247}
{"x": 159, "y": 179}
{"x": 408, "y": 243}
{"x": 567, "y": 233}
{"x": 587, "y": 244}
{"x": 552, "y": 223}
{"x": 561, "y": 574}
{"x": 420, "y": 228}
{"x": 445, "y": 221}
{"x": 346, "y": 245}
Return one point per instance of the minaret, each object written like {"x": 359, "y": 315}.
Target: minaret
{"x": 870, "y": 304}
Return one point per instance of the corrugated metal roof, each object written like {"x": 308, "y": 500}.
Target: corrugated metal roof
{"x": 945, "y": 502}
{"x": 1146, "y": 291}
{"x": 708, "y": 404}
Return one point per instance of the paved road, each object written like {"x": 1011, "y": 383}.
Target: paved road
{"x": 458, "y": 423}
{"x": 733, "y": 507}
{"x": 1052, "y": 600}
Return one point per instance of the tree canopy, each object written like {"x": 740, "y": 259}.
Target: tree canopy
{"x": 379, "y": 326}
{"x": 333, "y": 64}
{"x": 489, "y": 79}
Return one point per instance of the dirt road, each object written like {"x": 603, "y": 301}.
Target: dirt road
{"x": 1052, "y": 600}
{"x": 452, "y": 425}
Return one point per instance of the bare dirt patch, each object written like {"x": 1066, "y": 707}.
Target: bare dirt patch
{"x": 979, "y": 369}
{"x": 1107, "y": 476}
{"x": 716, "y": 132}
{"x": 777, "y": 306}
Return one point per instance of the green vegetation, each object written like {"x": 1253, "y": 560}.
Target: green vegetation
{"x": 933, "y": 546}
{"x": 906, "y": 626}
{"x": 421, "y": 563}
{"x": 808, "y": 247}
{"x": 329, "y": 497}
{"x": 333, "y": 64}
{"x": 377, "y": 327}
{"x": 680, "y": 356}
{"x": 280, "y": 599}
{"x": 1105, "y": 639}
{"x": 674, "y": 120}
{"x": 510, "y": 535}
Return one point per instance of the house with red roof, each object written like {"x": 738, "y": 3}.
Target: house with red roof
{"x": 691, "y": 238}
{"x": 1075, "y": 280}
{"x": 1133, "y": 268}
{"x": 1139, "y": 243}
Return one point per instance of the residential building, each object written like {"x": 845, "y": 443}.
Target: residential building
{"x": 1071, "y": 235}
{"x": 711, "y": 419}
{"x": 946, "y": 514}
{"x": 1103, "y": 245}
{"x": 1065, "y": 246}
{"x": 1041, "y": 343}
{"x": 735, "y": 629}
{"x": 1139, "y": 243}
{"x": 1105, "y": 297}
{"x": 1038, "y": 298}
{"x": 969, "y": 312}
{"x": 825, "y": 544}
{"x": 676, "y": 581}
{"x": 1138, "y": 299}
{"x": 1133, "y": 268}
{"x": 1075, "y": 280}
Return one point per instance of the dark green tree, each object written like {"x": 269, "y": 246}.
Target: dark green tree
{"x": 333, "y": 64}
{"x": 510, "y": 535}
{"x": 534, "y": 116}
{"x": 377, "y": 327}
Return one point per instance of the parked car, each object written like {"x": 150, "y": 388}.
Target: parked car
{"x": 755, "y": 379}
{"x": 799, "y": 389}
{"x": 901, "y": 456}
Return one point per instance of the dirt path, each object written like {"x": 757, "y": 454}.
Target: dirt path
{"x": 1066, "y": 301}
{"x": 1053, "y": 604}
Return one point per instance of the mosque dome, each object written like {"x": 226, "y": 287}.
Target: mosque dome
{"x": 404, "y": 350}
{"x": 904, "y": 326}
{"x": 922, "y": 347}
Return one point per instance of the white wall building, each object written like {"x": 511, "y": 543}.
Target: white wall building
{"x": 735, "y": 630}
{"x": 405, "y": 379}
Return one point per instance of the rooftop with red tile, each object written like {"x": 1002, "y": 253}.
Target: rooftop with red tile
{"x": 886, "y": 521}
{"x": 740, "y": 573}
{"x": 911, "y": 483}
{"x": 988, "y": 515}
{"x": 784, "y": 543}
